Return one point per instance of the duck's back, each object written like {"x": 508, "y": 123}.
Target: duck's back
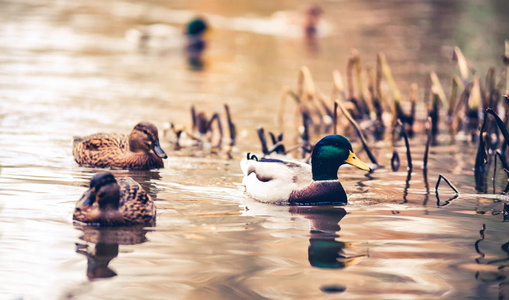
{"x": 101, "y": 150}
{"x": 273, "y": 180}
{"x": 136, "y": 205}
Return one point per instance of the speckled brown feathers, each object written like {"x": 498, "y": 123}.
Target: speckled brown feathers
{"x": 139, "y": 150}
{"x": 135, "y": 207}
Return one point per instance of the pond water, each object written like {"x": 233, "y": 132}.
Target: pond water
{"x": 66, "y": 70}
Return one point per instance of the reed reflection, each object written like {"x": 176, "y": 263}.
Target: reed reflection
{"x": 105, "y": 247}
{"x": 498, "y": 269}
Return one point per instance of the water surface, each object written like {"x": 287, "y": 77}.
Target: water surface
{"x": 66, "y": 70}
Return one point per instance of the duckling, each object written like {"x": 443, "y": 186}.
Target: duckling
{"x": 293, "y": 182}
{"x": 109, "y": 202}
{"x": 138, "y": 151}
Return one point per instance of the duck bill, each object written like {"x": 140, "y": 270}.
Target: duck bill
{"x": 354, "y": 161}
{"x": 159, "y": 151}
{"x": 86, "y": 200}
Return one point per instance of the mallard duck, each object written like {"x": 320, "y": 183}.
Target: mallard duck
{"x": 293, "y": 182}
{"x": 165, "y": 37}
{"x": 109, "y": 202}
{"x": 140, "y": 150}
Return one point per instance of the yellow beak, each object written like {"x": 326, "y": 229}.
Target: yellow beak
{"x": 354, "y": 161}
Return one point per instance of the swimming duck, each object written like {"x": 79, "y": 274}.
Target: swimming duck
{"x": 109, "y": 202}
{"x": 163, "y": 36}
{"x": 293, "y": 182}
{"x": 138, "y": 151}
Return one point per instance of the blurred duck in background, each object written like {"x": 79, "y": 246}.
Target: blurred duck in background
{"x": 298, "y": 23}
{"x": 167, "y": 37}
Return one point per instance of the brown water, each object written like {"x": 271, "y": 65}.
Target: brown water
{"x": 65, "y": 70}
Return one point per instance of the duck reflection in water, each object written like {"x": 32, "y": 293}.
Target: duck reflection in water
{"x": 324, "y": 250}
{"x": 107, "y": 241}
{"x": 196, "y": 44}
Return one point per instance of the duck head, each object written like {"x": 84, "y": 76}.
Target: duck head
{"x": 145, "y": 138}
{"x": 196, "y": 26}
{"x": 329, "y": 154}
{"x": 104, "y": 190}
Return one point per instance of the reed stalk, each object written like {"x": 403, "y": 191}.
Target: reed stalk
{"x": 428, "y": 142}
{"x": 407, "y": 145}
{"x": 437, "y": 86}
{"x": 462, "y": 64}
{"x": 440, "y": 177}
{"x": 359, "y": 133}
{"x": 395, "y": 161}
{"x": 231, "y": 126}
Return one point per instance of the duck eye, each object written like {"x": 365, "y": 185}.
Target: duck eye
{"x": 145, "y": 132}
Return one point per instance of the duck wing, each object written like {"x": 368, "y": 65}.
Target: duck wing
{"x": 100, "y": 150}
{"x": 273, "y": 180}
{"x": 102, "y": 141}
{"x": 135, "y": 204}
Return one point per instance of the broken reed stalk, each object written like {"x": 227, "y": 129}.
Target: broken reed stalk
{"x": 277, "y": 144}
{"x": 440, "y": 177}
{"x": 359, "y": 132}
{"x": 503, "y": 161}
{"x": 506, "y": 94}
{"x": 193, "y": 118}
{"x": 219, "y": 127}
{"x": 335, "y": 119}
{"x": 231, "y": 126}
{"x": 414, "y": 88}
{"x": 361, "y": 91}
{"x": 395, "y": 162}
{"x": 428, "y": 142}
{"x": 263, "y": 141}
{"x": 481, "y": 159}
{"x": 462, "y": 64}
{"x": 386, "y": 71}
{"x": 338, "y": 88}
{"x": 489, "y": 100}
{"x": 439, "y": 89}
{"x": 506, "y": 63}
{"x": 452, "y": 104}
{"x": 407, "y": 144}
{"x": 459, "y": 112}
{"x": 285, "y": 92}
{"x": 376, "y": 110}
{"x": 434, "y": 114}
{"x": 306, "y": 87}
{"x": 349, "y": 77}
{"x": 501, "y": 126}
{"x": 306, "y": 121}
{"x": 325, "y": 105}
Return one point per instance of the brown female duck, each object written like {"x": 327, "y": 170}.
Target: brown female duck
{"x": 140, "y": 150}
{"x": 109, "y": 202}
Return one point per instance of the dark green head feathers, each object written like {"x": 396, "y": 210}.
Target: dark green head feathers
{"x": 329, "y": 154}
{"x": 196, "y": 26}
